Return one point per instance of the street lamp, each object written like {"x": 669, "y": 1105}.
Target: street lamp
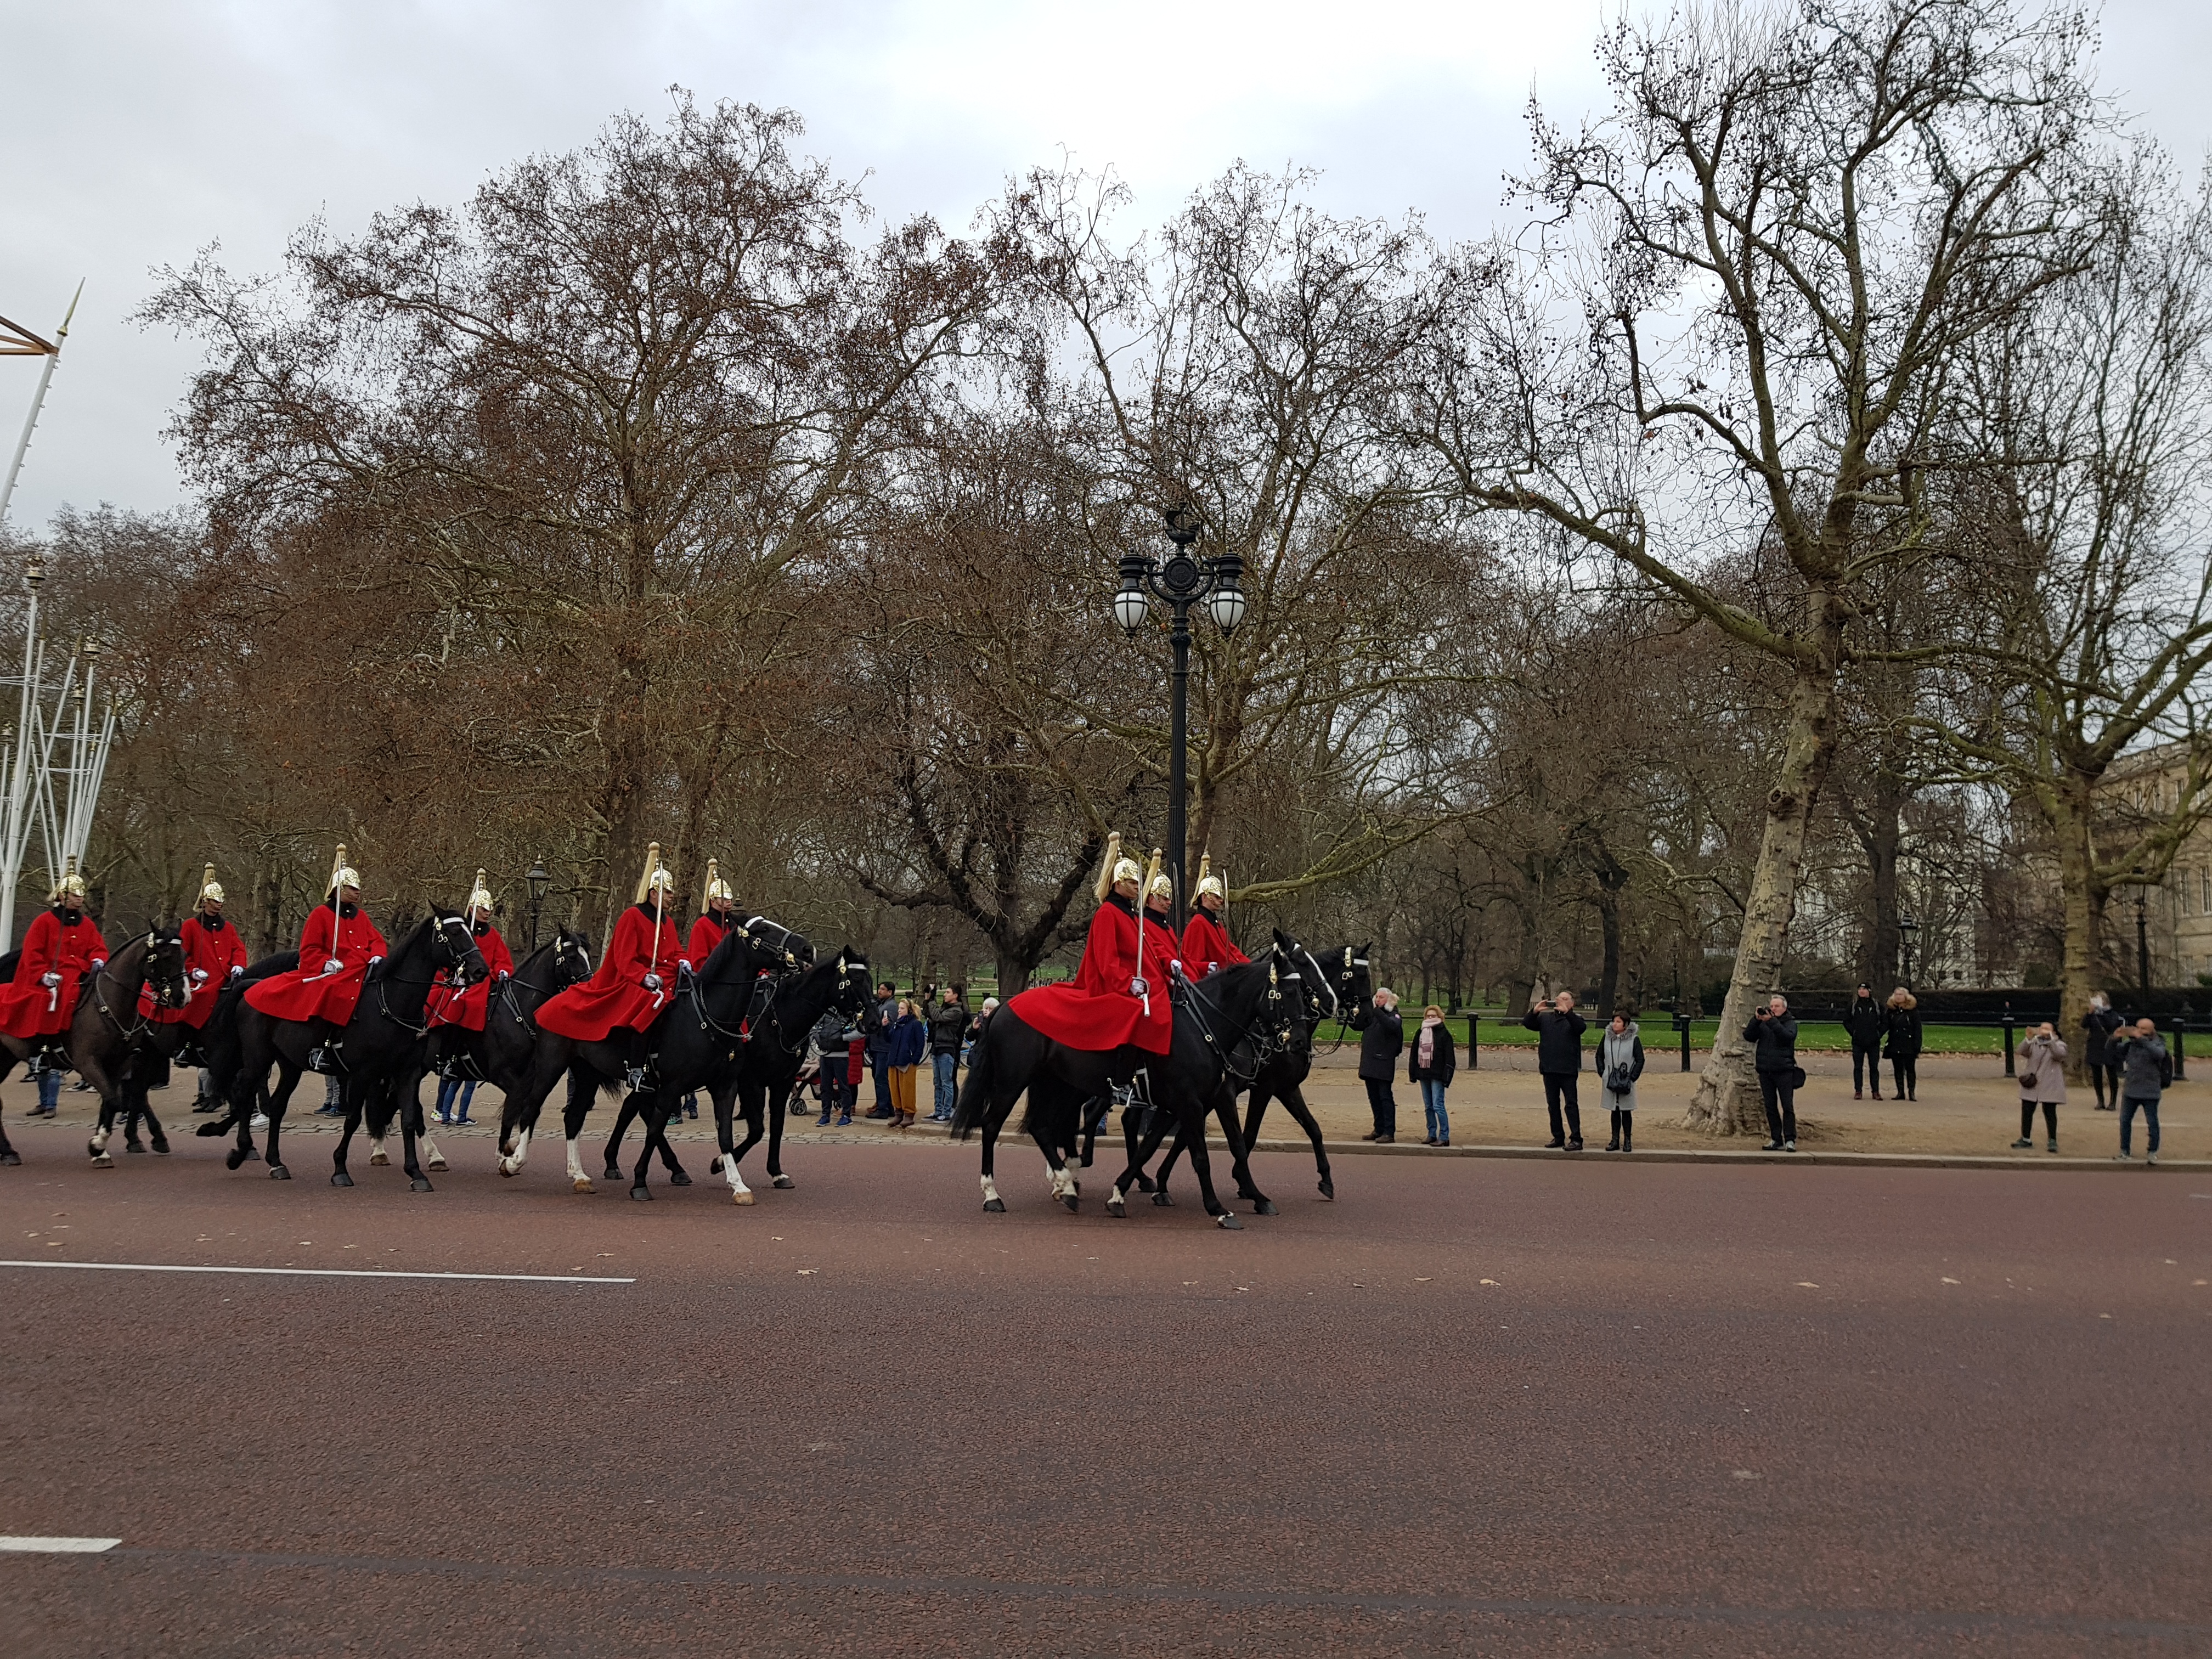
{"x": 1906, "y": 927}
{"x": 538, "y": 879}
{"x": 1181, "y": 580}
{"x": 2142, "y": 945}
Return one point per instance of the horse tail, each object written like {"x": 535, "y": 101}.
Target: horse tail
{"x": 974, "y": 1102}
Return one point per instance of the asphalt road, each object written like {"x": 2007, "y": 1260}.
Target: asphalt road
{"x": 1586, "y": 1408}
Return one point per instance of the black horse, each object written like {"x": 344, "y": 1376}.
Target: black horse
{"x": 696, "y": 1036}
{"x": 383, "y": 1048}
{"x": 1337, "y": 988}
{"x": 771, "y": 1057}
{"x": 1013, "y": 1057}
{"x": 101, "y": 1027}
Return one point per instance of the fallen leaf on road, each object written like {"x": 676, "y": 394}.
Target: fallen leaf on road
{"x": 1745, "y": 1474}
{"x": 1806, "y": 1284}
{"x": 1423, "y": 1281}
{"x": 1490, "y": 1281}
{"x": 1950, "y": 1281}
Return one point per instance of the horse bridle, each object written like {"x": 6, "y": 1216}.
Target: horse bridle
{"x": 162, "y": 998}
{"x": 1263, "y": 1050}
{"x": 560, "y": 948}
{"x": 1340, "y": 993}
{"x": 452, "y": 961}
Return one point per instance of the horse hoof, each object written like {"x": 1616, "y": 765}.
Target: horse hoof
{"x": 782, "y": 1183}
{"x": 340, "y": 1178}
{"x": 235, "y": 1159}
{"x": 1228, "y": 1223}
{"x": 1265, "y": 1206}
{"x": 378, "y": 1157}
{"x": 11, "y": 1157}
{"x": 132, "y": 1147}
{"x": 1144, "y": 1183}
{"x": 581, "y": 1184}
{"x": 278, "y": 1172}
{"x": 994, "y": 1206}
{"x": 1328, "y": 1189}
{"x": 715, "y": 1168}
{"x": 1116, "y": 1208}
{"x": 610, "y": 1174}
{"x": 641, "y": 1194}
{"x": 161, "y": 1149}
{"x": 677, "y": 1178}
{"x": 103, "y": 1161}
{"x": 420, "y": 1184}
{"x": 506, "y": 1167}
{"x": 1073, "y": 1203}
{"x": 435, "y": 1164}
{"x": 211, "y": 1129}
{"x": 1162, "y": 1198}
{"x": 741, "y": 1198}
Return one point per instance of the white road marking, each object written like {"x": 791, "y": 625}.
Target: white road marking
{"x": 58, "y": 1546}
{"x": 320, "y": 1273}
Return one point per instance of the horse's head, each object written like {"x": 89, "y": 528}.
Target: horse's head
{"x": 855, "y": 986}
{"x": 786, "y": 950}
{"x": 1349, "y": 978}
{"x": 572, "y": 959}
{"x": 453, "y": 944}
{"x": 165, "y": 966}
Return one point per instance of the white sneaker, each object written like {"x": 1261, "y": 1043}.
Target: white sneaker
{"x": 2123, "y": 1158}
{"x": 2151, "y": 1158}
{"x": 260, "y": 1121}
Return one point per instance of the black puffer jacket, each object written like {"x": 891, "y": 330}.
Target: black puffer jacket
{"x": 1559, "y": 1039}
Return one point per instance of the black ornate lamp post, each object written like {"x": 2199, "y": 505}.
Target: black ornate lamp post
{"x": 538, "y": 879}
{"x": 1906, "y": 927}
{"x": 1182, "y": 580}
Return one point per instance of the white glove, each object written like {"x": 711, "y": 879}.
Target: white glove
{"x": 1139, "y": 989}
{"x": 238, "y": 973}
{"x": 372, "y": 960}
{"x": 683, "y": 967}
{"x": 99, "y": 962}
{"x": 49, "y": 980}
{"x": 504, "y": 976}
{"x": 333, "y": 965}
{"x": 199, "y": 975}
{"x": 653, "y": 981}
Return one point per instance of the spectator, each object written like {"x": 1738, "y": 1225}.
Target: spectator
{"x": 909, "y": 1042}
{"x": 856, "y": 1067}
{"x": 1559, "y": 1030}
{"x": 948, "y": 1024}
{"x": 1901, "y": 1020}
{"x": 1619, "y": 1059}
{"x": 2042, "y": 1081}
{"x": 49, "y": 1072}
{"x": 1863, "y": 1020}
{"x": 453, "y": 1097}
{"x": 1773, "y": 1029}
{"x": 876, "y": 1027}
{"x": 827, "y": 1038}
{"x": 982, "y": 1018}
{"x": 1379, "y": 1065}
{"x": 1429, "y": 1061}
{"x": 2143, "y": 1071}
{"x": 2103, "y": 1025}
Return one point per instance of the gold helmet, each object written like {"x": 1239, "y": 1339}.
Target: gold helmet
{"x": 655, "y": 875}
{"x": 1158, "y": 883}
{"x": 479, "y": 898}
{"x": 716, "y": 887}
{"x": 1210, "y": 884}
{"x": 1113, "y": 867}
{"x": 70, "y": 886}
{"x": 210, "y": 887}
{"x": 342, "y": 875}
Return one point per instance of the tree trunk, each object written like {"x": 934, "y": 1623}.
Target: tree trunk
{"x": 1608, "y": 921}
{"x": 1727, "y": 1101}
{"x": 2082, "y": 902}
{"x": 1882, "y": 842}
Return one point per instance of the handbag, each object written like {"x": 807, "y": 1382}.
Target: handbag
{"x": 1618, "y": 1080}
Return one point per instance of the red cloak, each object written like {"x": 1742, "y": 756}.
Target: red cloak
{"x": 212, "y": 949}
{"x": 1094, "y": 1010}
{"x": 307, "y": 992}
{"x": 617, "y": 996}
{"x": 466, "y": 1008}
{"x": 706, "y": 933}
{"x": 1207, "y": 945}
{"x": 29, "y": 1010}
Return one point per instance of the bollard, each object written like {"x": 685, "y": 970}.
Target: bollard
{"x": 1682, "y": 1024}
{"x": 2008, "y": 1038}
{"x": 2180, "y": 1060}
{"x": 1474, "y": 1054}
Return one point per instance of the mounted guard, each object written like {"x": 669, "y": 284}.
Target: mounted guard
{"x": 339, "y": 945}
{"x": 455, "y": 1016}
{"x": 717, "y": 916}
{"x": 214, "y": 955}
{"x": 632, "y": 986}
{"x": 1119, "y": 995}
{"x": 60, "y": 947}
{"x": 1207, "y": 947}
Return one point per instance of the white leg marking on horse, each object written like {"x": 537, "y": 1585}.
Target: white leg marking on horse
{"x": 990, "y": 1190}
{"x": 512, "y": 1164}
{"x": 577, "y": 1178}
{"x": 376, "y": 1152}
{"x": 100, "y": 1140}
{"x": 431, "y": 1156}
{"x": 740, "y": 1192}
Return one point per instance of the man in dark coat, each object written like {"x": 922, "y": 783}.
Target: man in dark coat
{"x": 1559, "y": 1030}
{"x": 1380, "y": 1045}
{"x": 1773, "y": 1034}
{"x": 1863, "y": 1020}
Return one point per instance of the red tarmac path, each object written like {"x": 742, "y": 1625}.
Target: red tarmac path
{"x": 1505, "y": 1407}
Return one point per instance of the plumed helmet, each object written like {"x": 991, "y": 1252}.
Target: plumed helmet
{"x": 210, "y": 887}
{"x": 1209, "y": 885}
{"x": 479, "y": 897}
{"x": 70, "y": 886}
{"x": 1162, "y": 887}
{"x": 716, "y": 887}
{"x": 654, "y": 875}
{"x": 1110, "y": 866}
{"x": 342, "y": 875}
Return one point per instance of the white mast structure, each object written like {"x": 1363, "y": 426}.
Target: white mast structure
{"x": 36, "y": 792}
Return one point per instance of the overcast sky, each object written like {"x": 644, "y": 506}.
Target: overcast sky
{"x": 134, "y": 132}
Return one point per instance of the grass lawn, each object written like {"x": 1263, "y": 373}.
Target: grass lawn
{"x": 1813, "y": 1035}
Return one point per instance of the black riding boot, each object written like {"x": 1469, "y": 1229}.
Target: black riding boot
{"x": 1613, "y": 1145}
{"x": 640, "y": 1060}
{"x": 1628, "y": 1132}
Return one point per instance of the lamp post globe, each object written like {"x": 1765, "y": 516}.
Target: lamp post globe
{"x": 537, "y": 880}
